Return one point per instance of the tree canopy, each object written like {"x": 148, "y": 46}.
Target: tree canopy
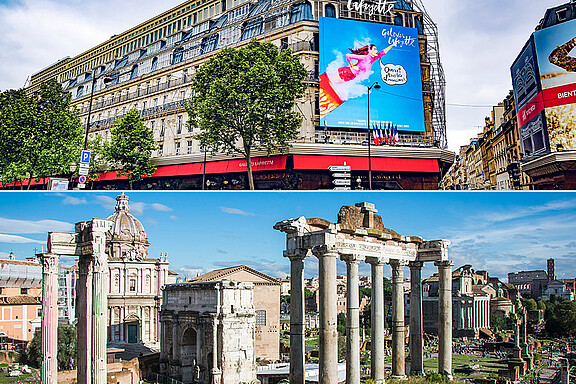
{"x": 67, "y": 344}
{"x": 130, "y": 148}
{"x": 244, "y": 101}
{"x": 40, "y": 134}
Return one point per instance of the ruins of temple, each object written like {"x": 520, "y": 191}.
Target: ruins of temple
{"x": 360, "y": 236}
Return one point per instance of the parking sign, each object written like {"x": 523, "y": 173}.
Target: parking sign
{"x": 85, "y": 158}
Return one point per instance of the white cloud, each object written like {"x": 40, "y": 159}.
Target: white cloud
{"x": 106, "y": 201}
{"x": 14, "y": 239}
{"x": 28, "y": 226}
{"x": 160, "y": 207}
{"x": 71, "y": 200}
{"x": 236, "y": 211}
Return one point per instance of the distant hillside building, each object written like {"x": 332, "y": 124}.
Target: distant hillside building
{"x": 20, "y": 301}
{"x": 470, "y": 303}
{"x": 266, "y": 304}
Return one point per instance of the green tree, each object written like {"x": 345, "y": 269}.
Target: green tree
{"x": 497, "y": 323}
{"x": 67, "y": 344}
{"x": 530, "y": 305}
{"x": 130, "y": 148}
{"x": 365, "y": 292}
{"x": 40, "y": 134}
{"x": 565, "y": 315}
{"x": 308, "y": 293}
{"x": 341, "y": 323}
{"x": 541, "y": 305}
{"x": 244, "y": 101}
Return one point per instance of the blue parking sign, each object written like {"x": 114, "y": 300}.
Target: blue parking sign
{"x": 85, "y": 158}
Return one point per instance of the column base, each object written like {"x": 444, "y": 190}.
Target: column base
{"x": 402, "y": 377}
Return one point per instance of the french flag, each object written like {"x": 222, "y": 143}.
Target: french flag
{"x": 375, "y": 135}
{"x": 396, "y": 136}
{"x": 381, "y": 134}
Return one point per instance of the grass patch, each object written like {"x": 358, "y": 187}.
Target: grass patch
{"x": 461, "y": 366}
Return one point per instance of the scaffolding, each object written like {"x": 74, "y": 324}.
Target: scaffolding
{"x": 437, "y": 76}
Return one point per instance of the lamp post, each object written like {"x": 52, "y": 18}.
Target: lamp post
{"x": 375, "y": 86}
{"x": 107, "y": 80}
{"x": 204, "y": 171}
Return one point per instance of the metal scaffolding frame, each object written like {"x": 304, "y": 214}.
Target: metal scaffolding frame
{"x": 438, "y": 79}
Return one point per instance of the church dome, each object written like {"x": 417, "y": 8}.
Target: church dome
{"x": 127, "y": 238}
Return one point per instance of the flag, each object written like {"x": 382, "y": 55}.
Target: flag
{"x": 375, "y": 135}
{"x": 396, "y": 135}
{"x": 381, "y": 134}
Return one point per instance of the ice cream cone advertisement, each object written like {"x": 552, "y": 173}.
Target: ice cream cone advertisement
{"x": 354, "y": 55}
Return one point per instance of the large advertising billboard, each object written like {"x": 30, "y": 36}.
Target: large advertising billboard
{"x": 529, "y": 103}
{"x": 356, "y": 54}
{"x": 554, "y": 47}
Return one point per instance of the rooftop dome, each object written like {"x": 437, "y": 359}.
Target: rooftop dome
{"x": 127, "y": 238}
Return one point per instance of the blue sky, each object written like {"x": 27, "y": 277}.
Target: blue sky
{"x": 479, "y": 42}
{"x": 499, "y": 232}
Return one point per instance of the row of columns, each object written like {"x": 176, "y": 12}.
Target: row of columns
{"x": 328, "y": 336}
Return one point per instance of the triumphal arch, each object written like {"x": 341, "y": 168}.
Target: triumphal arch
{"x": 360, "y": 236}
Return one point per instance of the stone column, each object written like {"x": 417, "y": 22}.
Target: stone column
{"x": 352, "y": 319}
{"x": 84, "y": 316}
{"x": 377, "y": 343}
{"x": 398, "y": 324}
{"x": 216, "y": 373}
{"x": 328, "y": 340}
{"x": 176, "y": 374}
{"x": 164, "y": 345}
{"x": 49, "y": 329}
{"x": 297, "y": 312}
{"x": 99, "y": 314}
{"x": 416, "y": 326}
{"x": 445, "y": 317}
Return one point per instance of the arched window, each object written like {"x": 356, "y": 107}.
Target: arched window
{"x": 330, "y": 10}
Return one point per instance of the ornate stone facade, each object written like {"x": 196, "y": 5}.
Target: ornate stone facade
{"x": 134, "y": 296}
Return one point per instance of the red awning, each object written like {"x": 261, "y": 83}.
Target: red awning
{"x": 259, "y": 164}
{"x": 361, "y": 163}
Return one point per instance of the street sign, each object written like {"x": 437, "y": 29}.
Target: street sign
{"x": 81, "y": 186}
{"x": 85, "y": 158}
{"x": 342, "y": 188}
{"x": 82, "y": 179}
{"x": 341, "y": 175}
{"x": 342, "y": 182}
{"x": 340, "y": 168}
{"x": 83, "y": 171}
{"x": 58, "y": 184}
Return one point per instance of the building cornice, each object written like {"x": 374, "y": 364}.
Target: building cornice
{"x": 323, "y": 150}
{"x": 555, "y": 162}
